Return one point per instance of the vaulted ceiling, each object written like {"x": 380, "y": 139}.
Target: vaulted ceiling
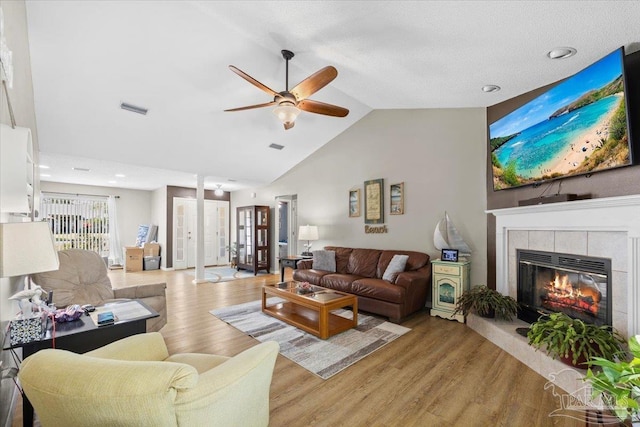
{"x": 172, "y": 57}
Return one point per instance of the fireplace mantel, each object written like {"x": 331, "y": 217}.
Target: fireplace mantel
{"x": 616, "y": 214}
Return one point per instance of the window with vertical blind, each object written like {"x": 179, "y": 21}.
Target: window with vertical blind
{"x": 77, "y": 221}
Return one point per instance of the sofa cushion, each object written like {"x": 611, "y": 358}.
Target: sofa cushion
{"x": 415, "y": 261}
{"x": 324, "y": 260}
{"x": 342, "y": 257}
{"x": 363, "y": 262}
{"x": 397, "y": 265}
{"x": 339, "y": 282}
{"x": 378, "y": 289}
{"x": 311, "y": 276}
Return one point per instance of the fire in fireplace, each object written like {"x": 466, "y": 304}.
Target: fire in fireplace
{"x": 576, "y": 285}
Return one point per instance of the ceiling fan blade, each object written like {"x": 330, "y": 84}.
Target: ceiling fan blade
{"x": 253, "y": 81}
{"x": 289, "y": 125}
{"x": 249, "y": 107}
{"x": 314, "y": 83}
{"x": 322, "y": 108}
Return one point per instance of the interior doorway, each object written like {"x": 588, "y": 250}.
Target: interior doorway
{"x": 286, "y": 225}
{"x": 216, "y": 224}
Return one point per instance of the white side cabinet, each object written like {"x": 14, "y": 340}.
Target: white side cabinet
{"x": 16, "y": 170}
{"x": 449, "y": 281}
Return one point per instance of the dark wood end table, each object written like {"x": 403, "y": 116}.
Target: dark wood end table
{"x": 289, "y": 261}
{"x": 81, "y": 336}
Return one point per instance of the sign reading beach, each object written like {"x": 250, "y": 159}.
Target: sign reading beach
{"x": 577, "y": 127}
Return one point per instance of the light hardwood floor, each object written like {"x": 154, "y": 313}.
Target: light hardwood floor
{"x": 439, "y": 374}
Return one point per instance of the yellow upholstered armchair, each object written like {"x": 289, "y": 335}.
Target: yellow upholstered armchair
{"x": 82, "y": 279}
{"x": 134, "y": 382}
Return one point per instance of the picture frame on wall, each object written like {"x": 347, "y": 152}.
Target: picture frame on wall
{"x": 374, "y": 201}
{"x": 354, "y": 203}
{"x": 396, "y": 199}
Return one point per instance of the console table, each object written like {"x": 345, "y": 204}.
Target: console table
{"x": 83, "y": 335}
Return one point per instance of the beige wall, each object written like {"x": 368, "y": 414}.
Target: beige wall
{"x": 438, "y": 154}
{"x": 21, "y": 95}
{"x": 134, "y": 206}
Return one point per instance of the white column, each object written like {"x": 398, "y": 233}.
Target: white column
{"x": 200, "y": 231}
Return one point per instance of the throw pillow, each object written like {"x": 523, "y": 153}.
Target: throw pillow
{"x": 396, "y": 266}
{"x": 324, "y": 260}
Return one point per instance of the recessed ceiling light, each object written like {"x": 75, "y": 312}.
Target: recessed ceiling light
{"x": 43, "y": 166}
{"x": 112, "y": 182}
{"x": 45, "y": 175}
{"x": 119, "y": 175}
{"x": 81, "y": 169}
{"x": 134, "y": 108}
{"x": 490, "y": 88}
{"x": 561, "y": 53}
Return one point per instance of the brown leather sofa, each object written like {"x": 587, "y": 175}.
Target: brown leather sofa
{"x": 359, "y": 272}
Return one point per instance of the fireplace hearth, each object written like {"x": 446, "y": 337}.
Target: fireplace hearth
{"x": 579, "y": 286}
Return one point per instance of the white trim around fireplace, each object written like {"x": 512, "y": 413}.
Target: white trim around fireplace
{"x": 613, "y": 214}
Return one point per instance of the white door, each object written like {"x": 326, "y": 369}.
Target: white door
{"x": 222, "y": 233}
{"x": 184, "y": 231}
{"x": 179, "y": 234}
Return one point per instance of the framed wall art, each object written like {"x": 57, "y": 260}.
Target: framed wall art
{"x": 354, "y": 203}
{"x": 374, "y": 201}
{"x": 396, "y": 199}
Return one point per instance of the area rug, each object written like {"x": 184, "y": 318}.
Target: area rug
{"x": 226, "y": 274}
{"x": 324, "y": 358}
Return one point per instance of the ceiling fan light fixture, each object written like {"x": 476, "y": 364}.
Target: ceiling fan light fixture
{"x": 287, "y": 113}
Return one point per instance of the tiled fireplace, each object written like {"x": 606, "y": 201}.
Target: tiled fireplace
{"x": 604, "y": 228}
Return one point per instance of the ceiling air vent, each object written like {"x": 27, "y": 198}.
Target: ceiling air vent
{"x": 133, "y": 108}
{"x": 81, "y": 169}
{"x": 276, "y": 146}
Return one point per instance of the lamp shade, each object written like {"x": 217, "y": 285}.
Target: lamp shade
{"x": 26, "y": 248}
{"x": 308, "y": 232}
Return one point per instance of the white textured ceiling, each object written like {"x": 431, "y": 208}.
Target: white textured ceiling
{"x": 172, "y": 57}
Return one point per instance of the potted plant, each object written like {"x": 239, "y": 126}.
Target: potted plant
{"x": 486, "y": 302}
{"x": 233, "y": 250}
{"x": 574, "y": 341}
{"x": 618, "y": 382}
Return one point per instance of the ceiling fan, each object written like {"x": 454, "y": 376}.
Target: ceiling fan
{"x": 290, "y": 102}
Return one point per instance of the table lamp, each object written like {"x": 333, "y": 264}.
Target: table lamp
{"x": 308, "y": 233}
{"x": 26, "y": 248}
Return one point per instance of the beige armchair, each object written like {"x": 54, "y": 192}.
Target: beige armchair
{"x": 82, "y": 279}
{"x": 135, "y": 382}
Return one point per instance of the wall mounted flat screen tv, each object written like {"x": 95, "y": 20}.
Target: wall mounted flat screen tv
{"x": 577, "y": 127}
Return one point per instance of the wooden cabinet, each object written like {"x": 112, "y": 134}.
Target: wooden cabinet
{"x": 253, "y": 239}
{"x": 449, "y": 280}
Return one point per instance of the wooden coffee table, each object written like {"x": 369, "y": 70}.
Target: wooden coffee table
{"x": 310, "y": 312}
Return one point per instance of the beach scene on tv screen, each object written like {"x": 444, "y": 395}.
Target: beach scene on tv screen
{"x": 577, "y": 127}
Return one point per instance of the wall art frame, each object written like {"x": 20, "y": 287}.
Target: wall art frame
{"x": 396, "y": 199}
{"x": 354, "y": 203}
{"x": 374, "y": 201}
